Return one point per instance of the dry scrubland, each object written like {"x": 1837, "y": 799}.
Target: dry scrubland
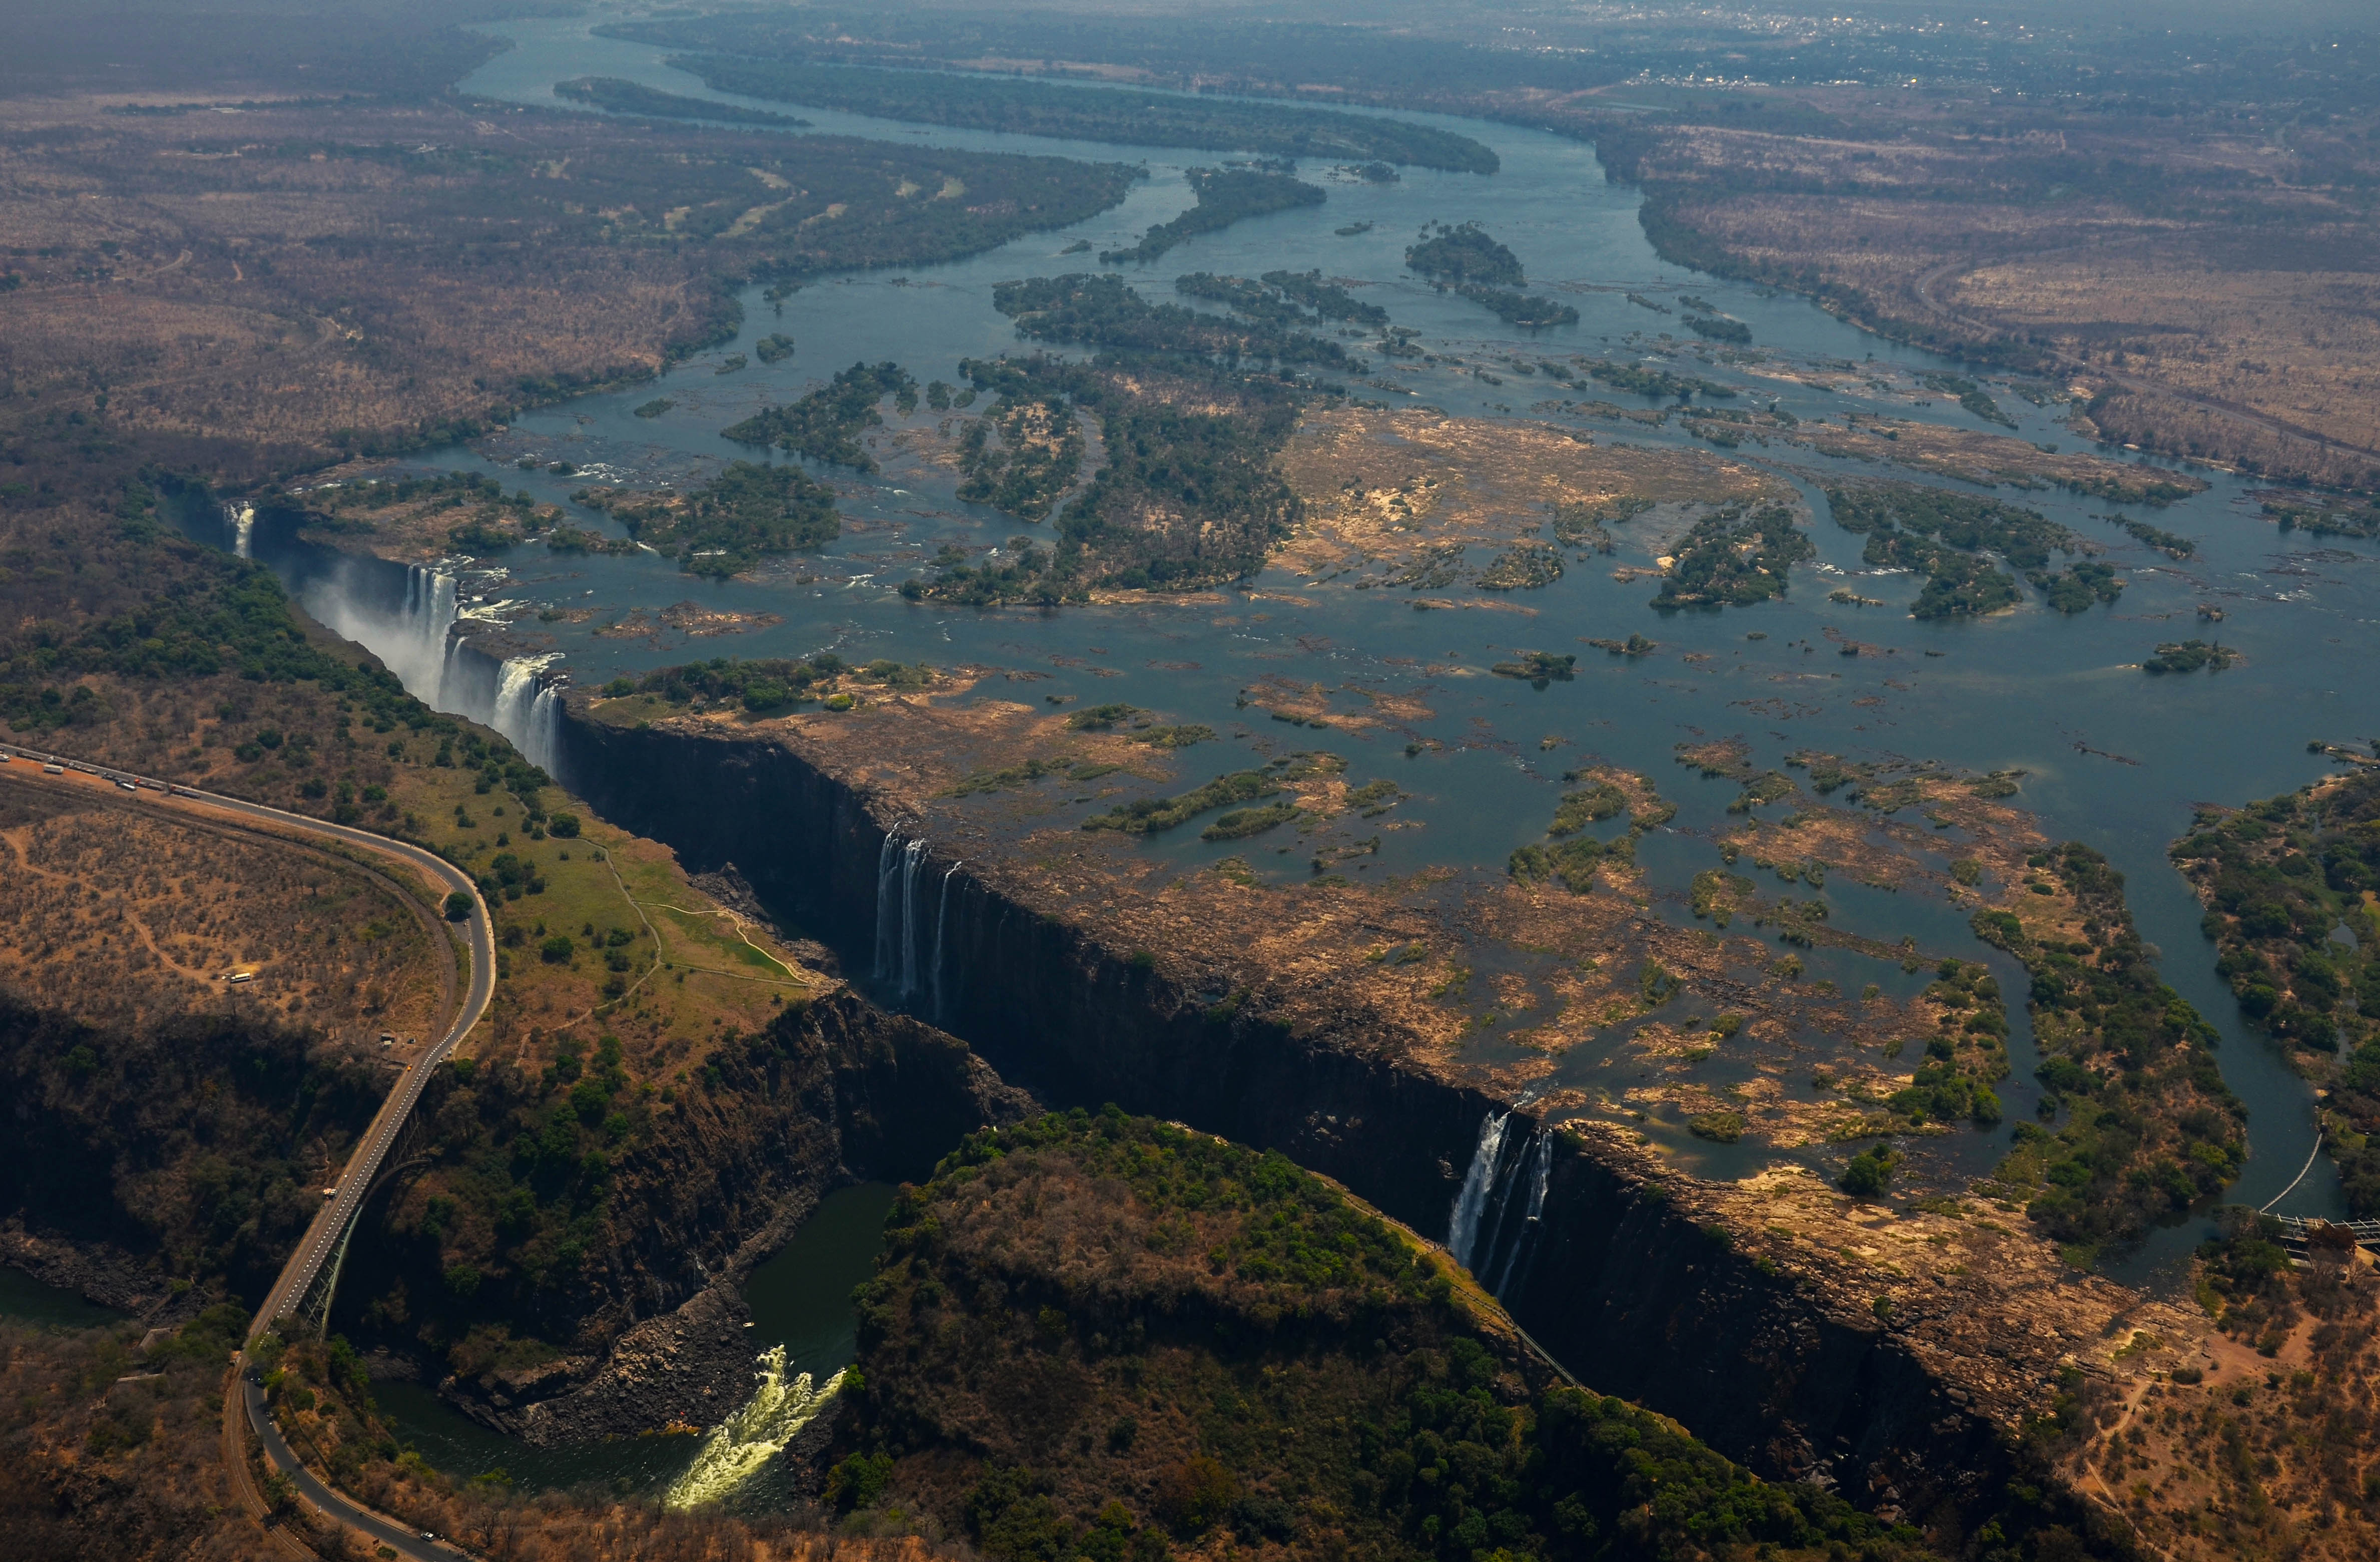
{"x": 123, "y": 914}
{"x": 1386, "y": 487}
{"x": 2213, "y": 292}
{"x": 266, "y": 290}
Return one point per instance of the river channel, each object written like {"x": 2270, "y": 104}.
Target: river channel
{"x": 2110, "y": 756}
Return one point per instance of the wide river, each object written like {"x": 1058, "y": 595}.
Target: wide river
{"x": 2111, "y": 756}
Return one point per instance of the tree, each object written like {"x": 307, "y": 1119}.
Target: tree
{"x": 1869, "y": 1171}
{"x": 459, "y": 906}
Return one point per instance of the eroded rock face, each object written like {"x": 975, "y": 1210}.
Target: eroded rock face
{"x": 1891, "y": 1353}
{"x": 845, "y": 1093}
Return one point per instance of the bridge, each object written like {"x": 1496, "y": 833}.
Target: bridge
{"x": 309, "y": 1280}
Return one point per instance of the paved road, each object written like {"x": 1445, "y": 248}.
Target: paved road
{"x": 321, "y": 1238}
{"x": 378, "y": 1529}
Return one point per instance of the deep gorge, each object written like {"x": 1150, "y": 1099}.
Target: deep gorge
{"x": 1624, "y": 1287}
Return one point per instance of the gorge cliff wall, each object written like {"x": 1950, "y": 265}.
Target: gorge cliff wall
{"x": 1605, "y": 1256}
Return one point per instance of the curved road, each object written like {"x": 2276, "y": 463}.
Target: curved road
{"x": 322, "y": 1235}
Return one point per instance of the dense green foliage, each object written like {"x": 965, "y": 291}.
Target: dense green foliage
{"x": 1146, "y": 816}
{"x": 1523, "y": 567}
{"x": 1037, "y": 459}
{"x": 2278, "y": 877}
{"x": 1224, "y": 196}
{"x": 1656, "y": 384}
{"x": 2149, "y": 1125}
{"x": 760, "y": 683}
{"x": 1463, "y": 256}
{"x": 1524, "y": 310}
{"x": 2189, "y": 657}
{"x": 1107, "y": 312}
{"x": 1250, "y": 1357}
{"x": 2075, "y": 588}
{"x": 1735, "y": 332}
{"x": 2171, "y": 543}
{"x": 1734, "y": 556}
{"x": 1282, "y": 298}
{"x": 723, "y": 527}
{"x": 618, "y": 97}
{"x": 1953, "y": 1083}
{"x": 189, "y": 1137}
{"x": 1326, "y": 298}
{"x": 1942, "y": 536}
{"x": 1539, "y": 668}
{"x": 1185, "y": 498}
{"x": 825, "y": 424}
{"x": 524, "y": 1165}
{"x": 1571, "y": 855}
{"x": 1094, "y": 113}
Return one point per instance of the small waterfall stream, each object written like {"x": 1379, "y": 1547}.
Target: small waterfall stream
{"x": 941, "y": 923}
{"x": 240, "y": 515}
{"x": 912, "y": 857}
{"x": 1462, "y": 1230}
{"x": 1541, "y": 1172}
{"x": 887, "y": 861}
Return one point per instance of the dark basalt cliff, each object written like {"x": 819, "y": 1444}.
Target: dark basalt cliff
{"x": 836, "y": 1092}
{"x": 1647, "y": 1291}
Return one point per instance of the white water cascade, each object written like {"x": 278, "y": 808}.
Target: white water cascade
{"x": 741, "y": 1447}
{"x": 242, "y": 517}
{"x": 887, "y": 861}
{"x": 527, "y": 709}
{"x": 912, "y": 856}
{"x": 941, "y": 922}
{"x": 1463, "y": 1231}
{"x": 412, "y": 639}
{"x": 1540, "y": 1172}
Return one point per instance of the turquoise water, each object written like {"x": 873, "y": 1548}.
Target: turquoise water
{"x": 24, "y": 1299}
{"x": 2111, "y": 756}
{"x": 800, "y": 1299}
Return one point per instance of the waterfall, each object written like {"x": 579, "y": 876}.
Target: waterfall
{"x": 942, "y": 919}
{"x": 542, "y": 742}
{"x": 525, "y": 709}
{"x": 242, "y": 517}
{"x": 912, "y": 856}
{"x": 741, "y": 1447}
{"x": 419, "y": 653}
{"x": 886, "y": 861}
{"x": 1464, "y": 1230}
{"x": 1539, "y": 1174}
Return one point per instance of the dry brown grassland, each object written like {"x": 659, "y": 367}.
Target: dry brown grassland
{"x": 1384, "y": 488}
{"x": 262, "y": 291}
{"x": 2213, "y": 290}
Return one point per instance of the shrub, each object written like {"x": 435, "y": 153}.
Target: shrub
{"x": 1869, "y": 1172}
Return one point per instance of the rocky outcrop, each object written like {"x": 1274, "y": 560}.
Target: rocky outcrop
{"x": 102, "y": 1273}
